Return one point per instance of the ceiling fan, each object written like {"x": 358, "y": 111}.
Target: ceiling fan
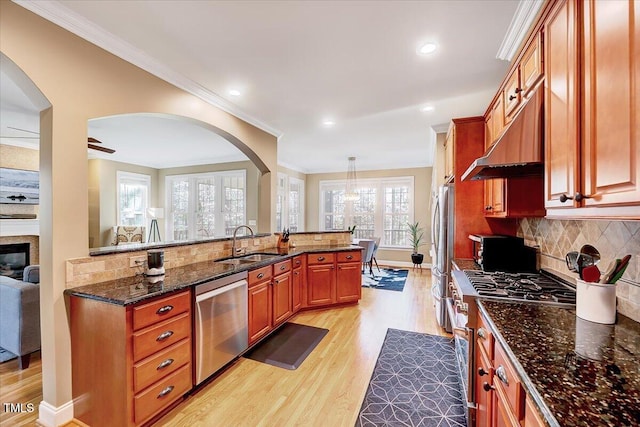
{"x": 91, "y": 142}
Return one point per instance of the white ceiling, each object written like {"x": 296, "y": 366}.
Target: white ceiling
{"x": 300, "y": 62}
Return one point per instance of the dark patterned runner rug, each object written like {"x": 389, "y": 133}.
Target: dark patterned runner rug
{"x": 415, "y": 383}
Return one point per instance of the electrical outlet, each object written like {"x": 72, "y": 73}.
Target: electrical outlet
{"x": 135, "y": 261}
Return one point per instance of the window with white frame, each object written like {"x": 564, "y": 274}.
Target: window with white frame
{"x": 133, "y": 191}
{"x": 290, "y": 203}
{"x": 205, "y": 205}
{"x": 383, "y": 209}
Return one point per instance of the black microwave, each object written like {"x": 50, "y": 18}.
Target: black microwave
{"x": 503, "y": 253}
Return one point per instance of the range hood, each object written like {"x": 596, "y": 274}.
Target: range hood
{"x": 518, "y": 152}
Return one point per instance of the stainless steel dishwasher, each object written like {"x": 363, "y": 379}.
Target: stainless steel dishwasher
{"x": 221, "y": 330}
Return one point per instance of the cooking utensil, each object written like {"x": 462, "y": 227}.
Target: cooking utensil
{"x": 590, "y": 273}
{"x": 572, "y": 261}
{"x": 592, "y": 252}
{"x": 609, "y": 271}
{"x": 583, "y": 262}
{"x": 620, "y": 269}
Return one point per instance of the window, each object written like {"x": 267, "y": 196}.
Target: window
{"x": 383, "y": 209}
{"x": 133, "y": 198}
{"x": 290, "y": 203}
{"x": 205, "y": 205}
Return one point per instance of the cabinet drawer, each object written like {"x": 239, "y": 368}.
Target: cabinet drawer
{"x": 321, "y": 258}
{"x": 485, "y": 337}
{"x": 351, "y": 256}
{"x": 259, "y": 275}
{"x": 281, "y": 267}
{"x": 297, "y": 261}
{"x": 159, "y": 396}
{"x": 506, "y": 378}
{"x": 158, "y": 365}
{"x": 158, "y": 337}
{"x": 162, "y": 309}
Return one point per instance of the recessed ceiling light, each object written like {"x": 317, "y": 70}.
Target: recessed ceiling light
{"x": 427, "y": 48}
{"x": 234, "y": 92}
{"x": 427, "y": 108}
{"x": 328, "y": 122}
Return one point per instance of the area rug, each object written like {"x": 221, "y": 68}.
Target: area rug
{"x": 390, "y": 279}
{"x": 6, "y": 355}
{"x": 288, "y": 346}
{"x": 415, "y": 383}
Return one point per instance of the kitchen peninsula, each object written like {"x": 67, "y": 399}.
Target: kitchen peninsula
{"x": 149, "y": 324}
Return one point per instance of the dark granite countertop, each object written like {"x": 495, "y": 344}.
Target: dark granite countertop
{"x": 130, "y": 290}
{"x": 578, "y": 373}
{"x": 465, "y": 264}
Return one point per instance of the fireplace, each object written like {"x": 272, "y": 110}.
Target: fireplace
{"x": 14, "y": 258}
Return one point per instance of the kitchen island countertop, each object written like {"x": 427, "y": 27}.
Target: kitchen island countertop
{"x": 131, "y": 290}
{"x": 578, "y": 373}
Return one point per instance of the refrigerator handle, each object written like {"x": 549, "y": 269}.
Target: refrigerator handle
{"x": 435, "y": 226}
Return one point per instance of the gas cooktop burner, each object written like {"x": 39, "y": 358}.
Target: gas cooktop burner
{"x": 521, "y": 287}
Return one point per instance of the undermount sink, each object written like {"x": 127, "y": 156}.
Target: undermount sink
{"x": 248, "y": 259}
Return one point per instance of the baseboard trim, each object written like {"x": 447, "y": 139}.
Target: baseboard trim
{"x": 425, "y": 266}
{"x": 51, "y": 416}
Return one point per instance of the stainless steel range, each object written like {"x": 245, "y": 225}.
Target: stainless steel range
{"x": 530, "y": 287}
{"x": 469, "y": 285}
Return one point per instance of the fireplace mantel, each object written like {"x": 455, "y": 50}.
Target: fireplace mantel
{"x": 19, "y": 227}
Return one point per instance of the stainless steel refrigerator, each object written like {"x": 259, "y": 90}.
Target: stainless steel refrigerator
{"x": 442, "y": 251}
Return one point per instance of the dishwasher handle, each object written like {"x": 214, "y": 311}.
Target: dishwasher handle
{"x": 221, "y": 290}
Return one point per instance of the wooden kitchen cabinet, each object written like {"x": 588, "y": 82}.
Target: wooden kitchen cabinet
{"x": 130, "y": 362}
{"x": 483, "y": 387}
{"x": 297, "y": 281}
{"x": 592, "y": 113}
{"x": 260, "y": 303}
{"x": 448, "y": 155}
{"x": 349, "y": 276}
{"x": 321, "y": 279}
{"x": 523, "y": 78}
{"x": 532, "y": 417}
{"x": 282, "y": 292}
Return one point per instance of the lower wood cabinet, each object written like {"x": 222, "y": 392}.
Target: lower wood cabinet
{"x": 334, "y": 278}
{"x": 129, "y": 362}
{"x": 260, "y": 307}
{"x": 297, "y": 280}
{"x": 282, "y": 292}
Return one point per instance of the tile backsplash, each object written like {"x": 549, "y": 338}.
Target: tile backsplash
{"x": 613, "y": 239}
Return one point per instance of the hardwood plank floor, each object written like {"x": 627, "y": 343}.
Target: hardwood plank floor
{"x": 326, "y": 390}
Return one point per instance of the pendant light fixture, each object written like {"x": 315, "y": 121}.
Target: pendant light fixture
{"x": 352, "y": 183}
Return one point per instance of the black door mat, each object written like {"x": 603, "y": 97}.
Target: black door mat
{"x": 289, "y": 346}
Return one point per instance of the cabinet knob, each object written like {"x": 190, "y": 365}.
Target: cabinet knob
{"x": 320, "y": 258}
{"x": 518, "y": 90}
{"x": 260, "y": 275}
{"x": 512, "y": 97}
{"x": 349, "y": 256}
{"x": 578, "y": 197}
{"x": 482, "y": 372}
{"x": 487, "y": 387}
{"x": 283, "y": 267}
{"x": 564, "y": 198}
{"x": 488, "y": 208}
{"x": 501, "y": 373}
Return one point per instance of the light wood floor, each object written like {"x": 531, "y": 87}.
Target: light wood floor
{"x": 327, "y": 389}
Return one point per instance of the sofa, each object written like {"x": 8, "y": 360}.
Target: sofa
{"x": 20, "y": 314}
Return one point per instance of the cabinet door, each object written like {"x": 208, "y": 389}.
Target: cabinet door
{"x": 282, "y": 299}
{"x": 561, "y": 106}
{"x": 260, "y": 306}
{"x": 349, "y": 282}
{"x": 484, "y": 398}
{"x": 512, "y": 95}
{"x": 494, "y": 197}
{"x": 531, "y": 65}
{"x": 448, "y": 155}
{"x": 321, "y": 284}
{"x": 296, "y": 289}
{"x": 611, "y": 140}
{"x": 498, "y": 119}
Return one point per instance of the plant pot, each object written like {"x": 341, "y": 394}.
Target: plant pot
{"x": 417, "y": 258}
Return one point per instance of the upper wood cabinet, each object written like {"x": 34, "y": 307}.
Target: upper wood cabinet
{"x": 592, "y": 158}
{"x": 448, "y": 155}
{"x": 523, "y": 78}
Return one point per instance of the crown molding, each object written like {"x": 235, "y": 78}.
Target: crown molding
{"x": 66, "y": 18}
{"x": 519, "y": 27}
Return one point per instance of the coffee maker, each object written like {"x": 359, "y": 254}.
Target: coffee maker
{"x": 155, "y": 262}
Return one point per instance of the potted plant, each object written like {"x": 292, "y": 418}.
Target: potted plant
{"x": 416, "y": 234}
{"x": 351, "y": 231}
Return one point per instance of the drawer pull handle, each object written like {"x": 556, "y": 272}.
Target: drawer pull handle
{"x": 165, "y": 309}
{"x": 283, "y": 267}
{"x": 166, "y": 391}
{"x": 260, "y": 275}
{"x": 501, "y": 373}
{"x": 482, "y": 333}
{"x": 163, "y": 336}
{"x": 164, "y": 364}
{"x": 296, "y": 273}
{"x": 320, "y": 258}
{"x": 349, "y": 256}
{"x": 298, "y": 262}
{"x": 487, "y": 387}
